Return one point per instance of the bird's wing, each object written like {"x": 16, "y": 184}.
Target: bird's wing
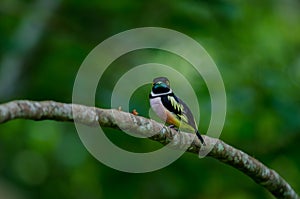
{"x": 172, "y": 104}
{"x": 179, "y": 108}
{"x": 188, "y": 113}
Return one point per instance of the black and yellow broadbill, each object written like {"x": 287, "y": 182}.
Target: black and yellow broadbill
{"x": 170, "y": 108}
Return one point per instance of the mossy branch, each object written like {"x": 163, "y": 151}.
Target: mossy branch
{"x": 50, "y": 110}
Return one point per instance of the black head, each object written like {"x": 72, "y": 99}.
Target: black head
{"x": 160, "y": 85}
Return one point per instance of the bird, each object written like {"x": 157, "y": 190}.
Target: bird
{"x": 171, "y": 109}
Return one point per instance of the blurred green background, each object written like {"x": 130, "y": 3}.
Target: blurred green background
{"x": 255, "y": 44}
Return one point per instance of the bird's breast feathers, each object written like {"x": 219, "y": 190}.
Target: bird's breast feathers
{"x": 158, "y": 108}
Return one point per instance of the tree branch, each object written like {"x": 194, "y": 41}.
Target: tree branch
{"x": 92, "y": 116}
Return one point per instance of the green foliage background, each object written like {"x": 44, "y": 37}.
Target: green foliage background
{"x": 256, "y": 46}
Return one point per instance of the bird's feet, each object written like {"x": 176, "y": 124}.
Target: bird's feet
{"x": 173, "y": 127}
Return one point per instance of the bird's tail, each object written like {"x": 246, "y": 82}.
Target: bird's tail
{"x": 200, "y": 138}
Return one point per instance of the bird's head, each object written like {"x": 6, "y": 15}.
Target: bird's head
{"x": 161, "y": 85}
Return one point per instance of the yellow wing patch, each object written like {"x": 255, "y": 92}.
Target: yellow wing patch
{"x": 179, "y": 107}
{"x": 175, "y": 104}
{"x": 184, "y": 118}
